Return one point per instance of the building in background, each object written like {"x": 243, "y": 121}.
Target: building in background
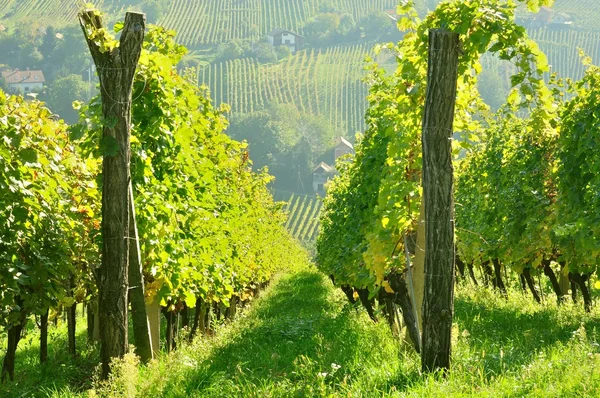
{"x": 342, "y": 147}
{"x": 283, "y": 37}
{"x": 324, "y": 172}
{"x": 321, "y": 174}
{"x": 23, "y": 81}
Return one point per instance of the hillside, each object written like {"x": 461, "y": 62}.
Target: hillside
{"x": 585, "y": 13}
{"x": 303, "y": 214}
{"x": 562, "y": 48}
{"x": 324, "y": 80}
{"x": 218, "y": 21}
{"x": 199, "y": 22}
{"x": 49, "y": 12}
{"x": 327, "y": 82}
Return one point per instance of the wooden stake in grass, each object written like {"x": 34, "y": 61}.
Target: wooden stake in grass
{"x": 139, "y": 316}
{"x": 116, "y": 62}
{"x": 438, "y": 117}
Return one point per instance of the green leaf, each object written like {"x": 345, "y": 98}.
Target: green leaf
{"x": 76, "y": 131}
{"x": 190, "y": 299}
{"x": 28, "y": 156}
{"x": 118, "y": 26}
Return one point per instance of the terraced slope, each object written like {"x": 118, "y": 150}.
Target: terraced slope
{"x": 201, "y": 22}
{"x": 218, "y": 21}
{"x": 326, "y": 82}
{"x": 585, "y": 13}
{"x": 303, "y": 214}
{"x": 561, "y": 46}
{"x": 48, "y": 12}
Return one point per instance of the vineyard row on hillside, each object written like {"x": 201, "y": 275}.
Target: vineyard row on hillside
{"x": 303, "y": 214}
{"x": 326, "y": 82}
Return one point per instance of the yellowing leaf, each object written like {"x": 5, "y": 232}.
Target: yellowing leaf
{"x": 385, "y": 221}
{"x": 387, "y": 287}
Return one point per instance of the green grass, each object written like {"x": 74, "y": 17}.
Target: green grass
{"x": 301, "y": 338}
{"x": 60, "y": 372}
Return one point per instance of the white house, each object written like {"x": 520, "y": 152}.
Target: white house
{"x": 324, "y": 172}
{"x": 342, "y": 147}
{"x": 23, "y": 81}
{"x": 283, "y": 37}
{"x": 562, "y": 18}
{"x": 321, "y": 174}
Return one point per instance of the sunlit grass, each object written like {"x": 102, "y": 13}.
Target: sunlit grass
{"x": 302, "y": 338}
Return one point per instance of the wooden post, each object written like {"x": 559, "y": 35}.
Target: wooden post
{"x": 141, "y": 329}
{"x": 153, "y": 311}
{"x": 44, "y": 336}
{"x": 72, "y": 319}
{"x": 419, "y": 265}
{"x": 96, "y": 333}
{"x": 116, "y": 71}
{"x": 438, "y": 118}
{"x": 418, "y": 273}
{"x": 563, "y": 281}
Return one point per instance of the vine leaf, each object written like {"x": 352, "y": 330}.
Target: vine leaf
{"x": 28, "y": 156}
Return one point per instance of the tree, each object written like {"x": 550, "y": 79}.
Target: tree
{"x": 233, "y": 49}
{"x": 49, "y": 43}
{"x": 61, "y": 94}
{"x": 30, "y": 57}
{"x": 154, "y": 9}
{"x": 376, "y": 24}
{"x": 322, "y": 29}
{"x": 265, "y": 53}
{"x": 283, "y": 52}
{"x": 287, "y": 141}
{"x": 69, "y": 56}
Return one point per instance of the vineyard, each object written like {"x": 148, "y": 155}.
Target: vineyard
{"x": 456, "y": 253}
{"x": 526, "y": 192}
{"x": 218, "y": 21}
{"x": 209, "y": 230}
{"x": 562, "y": 48}
{"x": 585, "y": 13}
{"x": 203, "y": 22}
{"x": 47, "y": 12}
{"x": 324, "y": 82}
{"x": 303, "y": 214}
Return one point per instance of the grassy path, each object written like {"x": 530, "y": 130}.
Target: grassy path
{"x": 301, "y": 338}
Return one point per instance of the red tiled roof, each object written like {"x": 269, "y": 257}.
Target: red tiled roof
{"x": 23, "y": 76}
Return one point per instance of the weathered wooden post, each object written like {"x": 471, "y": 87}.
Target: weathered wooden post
{"x": 116, "y": 70}
{"x": 153, "y": 312}
{"x": 141, "y": 327}
{"x": 72, "y": 318}
{"x": 438, "y": 117}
